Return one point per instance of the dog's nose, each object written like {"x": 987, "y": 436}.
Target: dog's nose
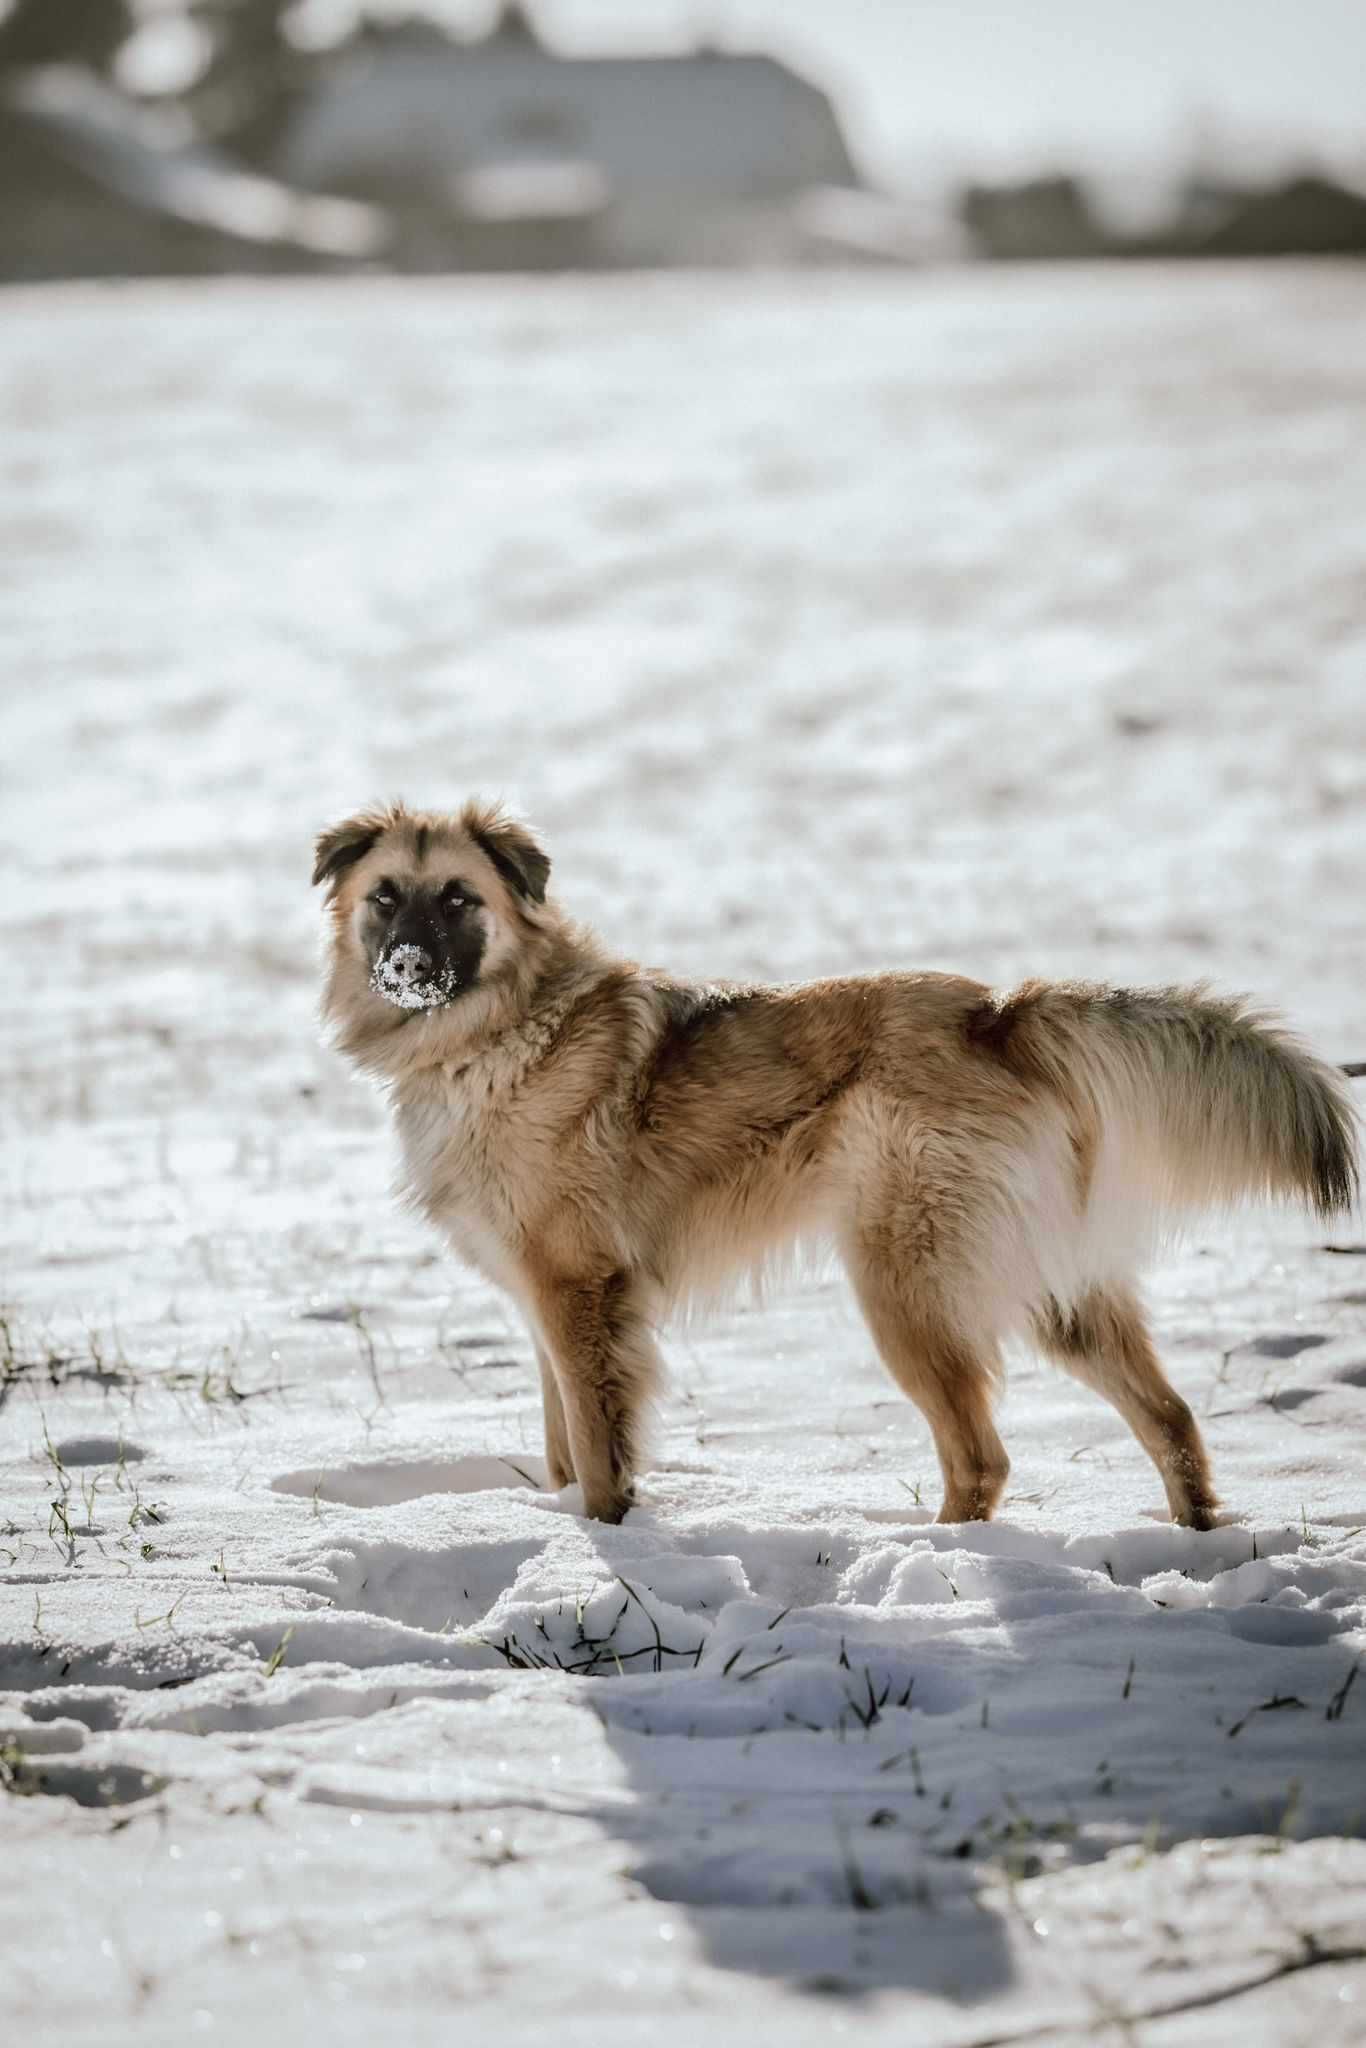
{"x": 409, "y": 965}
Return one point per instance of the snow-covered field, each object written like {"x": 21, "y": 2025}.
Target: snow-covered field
{"x": 999, "y": 622}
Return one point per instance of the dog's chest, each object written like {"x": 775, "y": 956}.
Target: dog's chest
{"x": 462, "y": 1171}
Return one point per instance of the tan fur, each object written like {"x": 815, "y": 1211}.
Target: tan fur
{"x": 608, "y": 1145}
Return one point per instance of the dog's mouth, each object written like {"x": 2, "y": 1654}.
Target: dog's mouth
{"x": 406, "y": 977}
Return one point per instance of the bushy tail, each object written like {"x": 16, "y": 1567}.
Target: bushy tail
{"x": 1208, "y": 1101}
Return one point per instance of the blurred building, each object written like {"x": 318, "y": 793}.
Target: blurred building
{"x": 408, "y": 146}
{"x": 502, "y": 152}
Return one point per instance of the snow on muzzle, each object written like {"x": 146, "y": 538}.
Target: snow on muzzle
{"x": 407, "y": 976}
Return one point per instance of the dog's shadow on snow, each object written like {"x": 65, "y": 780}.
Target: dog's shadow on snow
{"x": 778, "y": 1799}
{"x": 840, "y": 1792}
{"x": 842, "y": 1735}
{"x": 824, "y": 1886}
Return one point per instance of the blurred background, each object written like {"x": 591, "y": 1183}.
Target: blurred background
{"x": 173, "y": 137}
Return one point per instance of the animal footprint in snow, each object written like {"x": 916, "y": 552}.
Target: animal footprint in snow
{"x": 98, "y": 1450}
{"x": 382, "y": 1482}
{"x": 1287, "y": 1344}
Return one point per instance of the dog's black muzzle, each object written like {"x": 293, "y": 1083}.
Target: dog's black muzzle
{"x": 414, "y": 969}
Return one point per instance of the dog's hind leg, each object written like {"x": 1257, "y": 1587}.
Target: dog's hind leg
{"x": 559, "y": 1463}
{"x": 1103, "y": 1339}
{"x": 950, "y": 1379}
{"x": 605, "y": 1366}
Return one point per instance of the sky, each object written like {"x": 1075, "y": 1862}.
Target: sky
{"x": 989, "y": 85}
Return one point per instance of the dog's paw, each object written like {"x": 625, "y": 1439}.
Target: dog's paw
{"x": 608, "y": 1504}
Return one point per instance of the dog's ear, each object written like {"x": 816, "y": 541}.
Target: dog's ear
{"x": 511, "y": 848}
{"x": 341, "y": 846}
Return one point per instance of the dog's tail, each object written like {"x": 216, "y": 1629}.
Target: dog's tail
{"x": 1199, "y": 1099}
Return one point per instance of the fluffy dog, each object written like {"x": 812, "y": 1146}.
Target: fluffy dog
{"x": 606, "y": 1143}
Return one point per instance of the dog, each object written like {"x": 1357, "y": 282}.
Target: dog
{"x": 608, "y": 1144}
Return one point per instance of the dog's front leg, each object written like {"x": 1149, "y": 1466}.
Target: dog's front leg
{"x": 559, "y": 1463}
{"x": 604, "y": 1364}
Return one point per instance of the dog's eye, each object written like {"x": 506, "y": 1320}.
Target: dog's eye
{"x": 385, "y": 897}
{"x": 453, "y": 897}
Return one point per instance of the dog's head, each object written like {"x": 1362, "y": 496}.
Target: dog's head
{"x": 426, "y": 906}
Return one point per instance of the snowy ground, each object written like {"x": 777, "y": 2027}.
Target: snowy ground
{"x": 1004, "y": 623}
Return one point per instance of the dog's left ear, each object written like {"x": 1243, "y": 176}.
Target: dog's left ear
{"x": 511, "y": 848}
{"x": 341, "y": 846}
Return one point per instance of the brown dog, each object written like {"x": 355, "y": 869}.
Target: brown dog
{"x": 604, "y": 1142}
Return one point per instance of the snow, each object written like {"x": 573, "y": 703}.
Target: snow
{"x": 403, "y": 978}
{"x": 1001, "y": 623}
